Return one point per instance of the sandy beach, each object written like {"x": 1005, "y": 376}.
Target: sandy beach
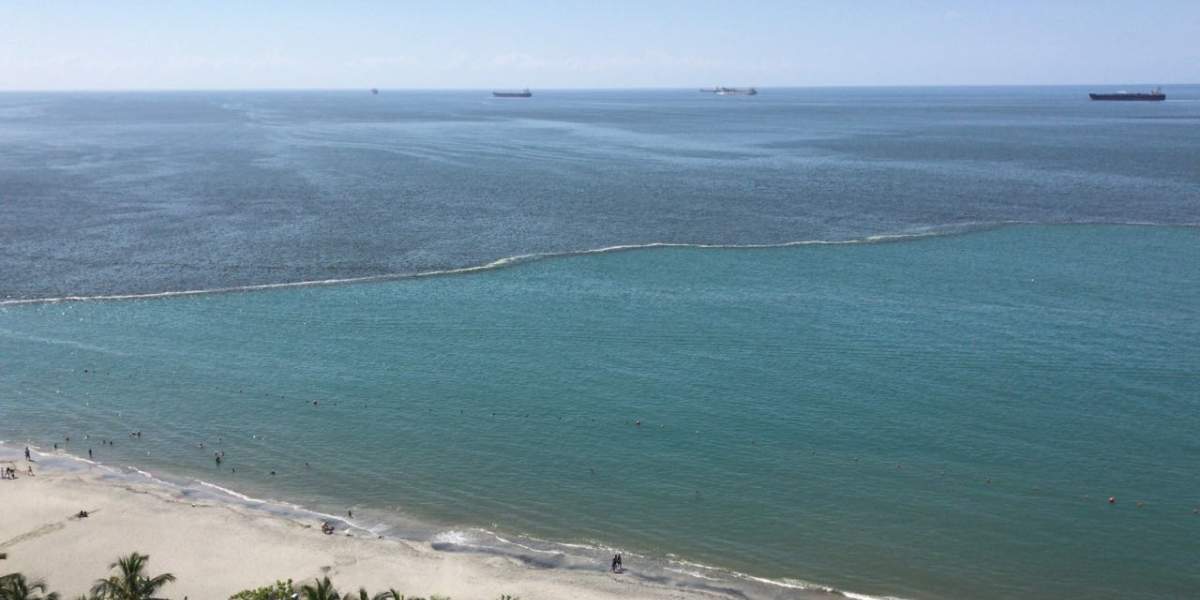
{"x": 216, "y": 549}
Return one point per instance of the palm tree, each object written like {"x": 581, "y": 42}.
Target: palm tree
{"x": 15, "y": 587}
{"x": 324, "y": 590}
{"x": 389, "y": 594}
{"x": 131, "y": 583}
{"x": 362, "y": 595}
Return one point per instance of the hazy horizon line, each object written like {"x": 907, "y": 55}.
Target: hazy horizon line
{"x": 583, "y": 88}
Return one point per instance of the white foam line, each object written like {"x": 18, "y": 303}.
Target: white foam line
{"x": 251, "y": 500}
{"x": 692, "y": 574}
{"x": 496, "y": 264}
{"x": 520, "y": 258}
{"x": 148, "y": 475}
{"x": 239, "y": 496}
{"x": 783, "y": 583}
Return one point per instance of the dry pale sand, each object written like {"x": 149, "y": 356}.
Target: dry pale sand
{"x": 216, "y": 549}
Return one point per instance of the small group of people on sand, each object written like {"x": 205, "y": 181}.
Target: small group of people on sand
{"x": 10, "y": 473}
{"x": 616, "y": 563}
{"x": 326, "y": 528}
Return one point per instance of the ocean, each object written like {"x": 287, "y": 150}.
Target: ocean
{"x": 919, "y": 343}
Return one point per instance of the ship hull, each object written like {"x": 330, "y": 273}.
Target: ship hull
{"x": 1129, "y": 97}
{"x": 728, "y": 91}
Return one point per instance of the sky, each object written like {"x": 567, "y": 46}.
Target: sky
{"x": 548, "y": 44}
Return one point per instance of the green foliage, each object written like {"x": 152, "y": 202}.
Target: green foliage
{"x": 131, "y": 582}
{"x": 281, "y": 590}
{"x": 15, "y": 587}
{"x": 324, "y": 590}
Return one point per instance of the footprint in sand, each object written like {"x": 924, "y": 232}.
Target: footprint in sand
{"x": 32, "y": 534}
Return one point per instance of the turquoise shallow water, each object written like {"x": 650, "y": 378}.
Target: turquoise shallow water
{"x": 934, "y": 417}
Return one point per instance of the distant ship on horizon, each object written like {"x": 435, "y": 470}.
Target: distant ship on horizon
{"x": 1155, "y": 95}
{"x": 525, "y": 93}
{"x": 729, "y": 91}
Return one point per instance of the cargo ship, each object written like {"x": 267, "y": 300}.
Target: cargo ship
{"x": 728, "y": 91}
{"x": 525, "y": 93}
{"x": 1155, "y": 95}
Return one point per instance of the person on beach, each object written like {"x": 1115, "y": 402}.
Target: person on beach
{"x": 616, "y": 563}
{"x": 26, "y": 452}
{"x": 620, "y": 567}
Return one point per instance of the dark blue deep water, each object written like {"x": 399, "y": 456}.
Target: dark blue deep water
{"x": 892, "y": 342}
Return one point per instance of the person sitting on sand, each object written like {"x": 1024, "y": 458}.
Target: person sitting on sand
{"x": 326, "y": 528}
{"x": 82, "y": 514}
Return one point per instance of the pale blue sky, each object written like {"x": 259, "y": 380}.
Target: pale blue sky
{"x": 264, "y": 44}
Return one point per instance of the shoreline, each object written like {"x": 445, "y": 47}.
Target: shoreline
{"x": 216, "y": 548}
